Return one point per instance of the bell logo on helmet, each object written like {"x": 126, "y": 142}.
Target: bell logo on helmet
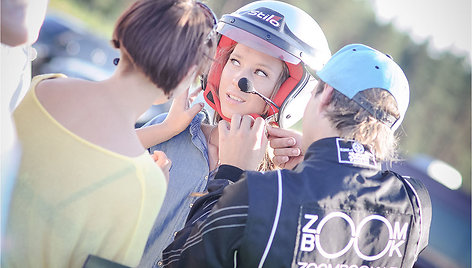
{"x": 271, "y": 18}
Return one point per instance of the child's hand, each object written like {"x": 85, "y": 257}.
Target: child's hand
{"x": 178, "y": 118}
{"x": 163, "y": 162}
{"x": 181, "y": 114}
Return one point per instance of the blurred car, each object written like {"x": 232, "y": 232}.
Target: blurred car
{"x": 450, "y": 233}
{"x": 65, "y": 46}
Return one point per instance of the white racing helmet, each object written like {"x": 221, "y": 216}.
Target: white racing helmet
{"x": 282, "y": 31}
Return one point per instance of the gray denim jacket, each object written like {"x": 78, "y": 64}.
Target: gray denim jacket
{"x": 189, "y": 174}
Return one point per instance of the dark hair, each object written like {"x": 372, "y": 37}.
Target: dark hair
{"x": 354, "y": 122}
{"x": 165, "y": 38}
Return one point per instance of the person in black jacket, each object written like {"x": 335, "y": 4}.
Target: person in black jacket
{"x": 336, "y": 208}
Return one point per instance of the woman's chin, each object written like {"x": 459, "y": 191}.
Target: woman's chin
{"x": 228, "y": 113}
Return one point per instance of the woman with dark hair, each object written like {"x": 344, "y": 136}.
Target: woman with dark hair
{"x": 86, "y": 184}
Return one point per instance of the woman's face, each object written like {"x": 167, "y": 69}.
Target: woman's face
{"x": 261, "y": 69}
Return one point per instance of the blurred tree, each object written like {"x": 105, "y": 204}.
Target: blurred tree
{"x": 98, "y": 15}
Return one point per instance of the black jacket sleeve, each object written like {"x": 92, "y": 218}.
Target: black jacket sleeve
{"x": 215, "y": 225}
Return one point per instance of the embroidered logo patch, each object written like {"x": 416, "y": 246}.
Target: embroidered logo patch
{"x": 352, "y": 152}
{"x": 358, "y": 148}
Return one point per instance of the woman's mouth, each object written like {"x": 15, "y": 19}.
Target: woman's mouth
{"x": 234, "y": 99}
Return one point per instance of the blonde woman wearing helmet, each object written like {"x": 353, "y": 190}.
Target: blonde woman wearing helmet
{"x": 262, "y": 68}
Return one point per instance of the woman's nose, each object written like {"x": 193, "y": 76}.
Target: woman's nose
{"x": 245, "y": 85}
{"x": 238, "y": 78}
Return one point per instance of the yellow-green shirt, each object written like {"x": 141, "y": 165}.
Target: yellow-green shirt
{"x": 74, "y": 198}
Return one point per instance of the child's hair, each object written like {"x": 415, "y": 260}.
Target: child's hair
{"x": 165, "y": 38}
{"x": 354, "y": 122}
{"x": 266, "y": 163}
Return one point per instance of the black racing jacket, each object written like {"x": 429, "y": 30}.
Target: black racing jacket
{"x": 334, "y": 210}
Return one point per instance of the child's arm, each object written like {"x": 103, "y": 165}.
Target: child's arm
{"x": 178, "y": 118}
{"x": 155, "y": 134}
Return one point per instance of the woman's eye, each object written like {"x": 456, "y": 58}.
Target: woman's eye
{"x": 261, "y": 73}
{"x": 235, "y": 62}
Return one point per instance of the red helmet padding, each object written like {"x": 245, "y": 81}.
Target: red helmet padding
{"x": 213, "y": 81}
{"x": 295, "y": 75}
{"x": 214, "y": 76}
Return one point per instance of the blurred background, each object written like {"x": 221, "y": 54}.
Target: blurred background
{"x": 430, "y": 40}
